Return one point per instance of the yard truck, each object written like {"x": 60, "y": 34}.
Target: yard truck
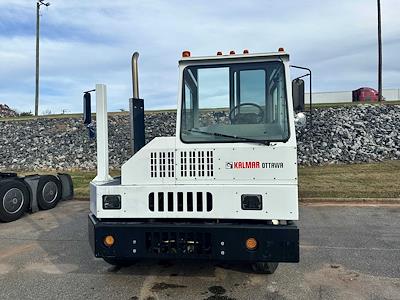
{"x": 225, "y": 187}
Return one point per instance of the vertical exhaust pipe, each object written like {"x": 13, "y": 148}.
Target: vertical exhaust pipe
{"x": 136, "y": 109}
{"x": 135, "y": 75}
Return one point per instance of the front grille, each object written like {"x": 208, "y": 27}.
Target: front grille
{"x": 179, "y": 243}
{"x": 180, "y": 202}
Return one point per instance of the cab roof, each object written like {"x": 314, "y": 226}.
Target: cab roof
{"x": 233, "y": 57}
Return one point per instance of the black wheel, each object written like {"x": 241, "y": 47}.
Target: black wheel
{"x": 14, "y": 197}
{"x": 264, "y": 267}
{"x": 48, "y": 192}
{"x": 119, "y": 262}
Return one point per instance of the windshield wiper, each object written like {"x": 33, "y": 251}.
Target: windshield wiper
{"x": 250, "y": 140}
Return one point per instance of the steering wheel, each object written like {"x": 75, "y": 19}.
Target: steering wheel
{"x": 247, "y": 118}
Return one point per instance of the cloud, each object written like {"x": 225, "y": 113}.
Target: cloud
{"x": 83, "y": 44}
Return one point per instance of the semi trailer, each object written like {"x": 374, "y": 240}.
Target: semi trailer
{"x": 21, "y": 194}
{"x": 225, "y": 187}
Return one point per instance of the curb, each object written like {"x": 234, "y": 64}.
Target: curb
{"x": 350, "y": 201}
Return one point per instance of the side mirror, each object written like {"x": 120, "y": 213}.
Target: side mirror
{"x": 87, "y": 110}
{"x": 298, "y": 94}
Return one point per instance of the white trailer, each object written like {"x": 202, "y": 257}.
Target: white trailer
{"x": 224, "y": 187}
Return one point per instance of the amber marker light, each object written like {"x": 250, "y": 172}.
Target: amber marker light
{"x": 186, "y": 53}
{"x": 281, "y": 50}
{"x": 109, "y": 240}
{"x": 251, "y": 243}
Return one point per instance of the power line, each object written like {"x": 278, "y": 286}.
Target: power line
{"x": 38, "y": 4}
{"x": 379, "y": 51}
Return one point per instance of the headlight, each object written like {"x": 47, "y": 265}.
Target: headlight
{"x": 111, "y": 202}
{"x": 251, "y": 202}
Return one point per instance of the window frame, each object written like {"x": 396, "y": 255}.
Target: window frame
{"x": 241, "y": 66}
{"x": 236, "y": 93}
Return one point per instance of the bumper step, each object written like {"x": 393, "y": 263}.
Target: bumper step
{"x": 216, "y": 241}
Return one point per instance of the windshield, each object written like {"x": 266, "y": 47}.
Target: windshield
{"x": 234, "y": 103}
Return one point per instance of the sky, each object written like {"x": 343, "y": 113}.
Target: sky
{"x": 87, "y": 42}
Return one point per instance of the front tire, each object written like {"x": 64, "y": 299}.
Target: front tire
{"x": 14, "y": 199}
{"x": 48, "y": 192}
{"x": 264, "y": 267}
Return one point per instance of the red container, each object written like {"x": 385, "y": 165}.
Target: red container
{"x": 365, "y": 94}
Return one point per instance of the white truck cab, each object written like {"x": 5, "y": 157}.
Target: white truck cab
{"x": 224, "y": 187}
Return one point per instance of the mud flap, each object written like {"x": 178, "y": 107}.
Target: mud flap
{"x": 32, "y": 182}
{"x": 67, "y": 186}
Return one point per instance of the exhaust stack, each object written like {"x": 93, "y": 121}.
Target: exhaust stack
{"x": 136, "y": 109}
{"x": 135, "y": 75}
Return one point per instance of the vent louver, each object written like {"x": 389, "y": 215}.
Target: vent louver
{"x": 197, "y": 163}
{"x": 162, "y": 164}
{"x": 181, "y": 202}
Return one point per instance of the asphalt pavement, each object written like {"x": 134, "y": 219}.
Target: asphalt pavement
{"x": 347, "y": 252}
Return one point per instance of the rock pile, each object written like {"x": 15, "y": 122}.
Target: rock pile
{"x": 339, "y": 135}
{"x": 364, "y": 133}
{"x": 64, "y": 143}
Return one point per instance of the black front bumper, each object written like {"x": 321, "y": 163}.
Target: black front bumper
{"x": 212, "y": 241}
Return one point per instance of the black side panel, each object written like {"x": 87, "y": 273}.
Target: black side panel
{"x": 137, "y": 113}
{"x": 87, "y": 111}
{"x": 91, "y": 228}
{"x": 32, "y": 182}
{"x": 8, "y": 175}
{"x": 298, "y": 94}
{"x": 67, "y": 186}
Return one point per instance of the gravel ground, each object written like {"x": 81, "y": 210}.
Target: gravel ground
{"x": 47, "y": 256}
{"x": 357, "y": 134}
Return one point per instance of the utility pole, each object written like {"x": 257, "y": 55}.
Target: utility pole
{"x": 379, "y": 52}
{"x": 38, "y": 4}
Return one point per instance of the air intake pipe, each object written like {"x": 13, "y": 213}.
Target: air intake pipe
{"x": 135, "y": 75}
{"x": 136, "y": 109}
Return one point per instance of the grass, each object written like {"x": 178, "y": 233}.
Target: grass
{"x": 81, "y": 182}
{"x": 373, "y": 180}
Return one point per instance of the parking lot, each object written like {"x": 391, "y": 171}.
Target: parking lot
{"x": 346, "y": 253}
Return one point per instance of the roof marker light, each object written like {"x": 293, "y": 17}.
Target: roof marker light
{"x": 245, "y": 51}
{"x": 232, "y": 52}
{"x": 186, "y": 53}
{"x": 281, "y": 49}
{"x": 219, "y": 53}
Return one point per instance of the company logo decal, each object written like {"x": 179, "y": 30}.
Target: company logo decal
{"x": 253, "y": 165}
{"x": 228, "y": 165}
